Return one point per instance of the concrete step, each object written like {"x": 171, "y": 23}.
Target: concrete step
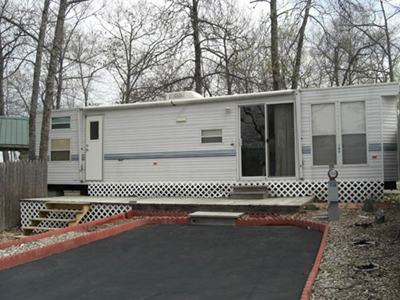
{"x": 250, "y": 188}
{"x": 249, "y": 192}
{"x": 248, "y": 195}
{"x": 214, "y": 218}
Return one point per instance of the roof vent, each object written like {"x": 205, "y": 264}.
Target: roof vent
{"x": 183, "y": 95}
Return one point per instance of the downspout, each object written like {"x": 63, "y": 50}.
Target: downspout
{"x": 298, "y": 123}
{"x": 80, "y": 144}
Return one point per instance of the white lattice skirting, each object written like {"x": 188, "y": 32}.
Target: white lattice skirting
{"x": 349, "y": 190}
{"x": 30, "y": 209}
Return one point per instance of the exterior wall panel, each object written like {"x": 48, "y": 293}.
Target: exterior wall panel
{"x": 372, "y": 97}
{"x": 389, "y": 137}
{"x": 63, "y": 172}
{"x": 162, "y": 142}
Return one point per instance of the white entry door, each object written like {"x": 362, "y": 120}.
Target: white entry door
{"x": 94, "y": 148}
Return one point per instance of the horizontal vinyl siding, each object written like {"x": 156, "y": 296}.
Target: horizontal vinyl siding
{"x": 136, "y": 139}
{"x": 62, "y": 172}
{"x": 372, "y": 97}
{"x": 389, "y": 138}
{"x": 177, "y": 169}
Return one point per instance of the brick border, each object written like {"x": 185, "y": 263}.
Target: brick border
{"x": 181, "y": 218}
{"x": 14, "y": 260}
{"x": 257, "y": 220}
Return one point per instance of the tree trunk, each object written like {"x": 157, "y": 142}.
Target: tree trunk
{"x": 299, "y": 51}
{"x": 276, "y": 74}
{"x": 2, "y": 100}
{"x": 197, "y": 48}
{"x": 388, "y": 46}
{"x": 59, "y": 83}
{"x": 49, "y": 98}
{"x": 36, "y": 81}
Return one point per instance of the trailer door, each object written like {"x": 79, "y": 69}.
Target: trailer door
{"x": 267, "y": 145}
{"x": 94, "y": 148}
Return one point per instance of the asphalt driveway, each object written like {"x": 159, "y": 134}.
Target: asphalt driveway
{"x": 176, "y": 262}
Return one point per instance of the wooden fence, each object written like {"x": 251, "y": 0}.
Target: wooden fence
{"x": 19, "y": 180}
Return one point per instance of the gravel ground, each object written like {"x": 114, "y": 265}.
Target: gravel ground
{"x": 345, "y": 269}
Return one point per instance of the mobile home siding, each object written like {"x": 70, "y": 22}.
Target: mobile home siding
{"x": 373, "y": 170}
{"x": 63, "y": 172}
{"x": 150, "y": 144}
{"x": 389, "y": 137}
{"x": 161, "y": 142}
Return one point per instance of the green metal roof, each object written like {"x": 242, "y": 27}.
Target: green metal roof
{"x": 14, "y": 132}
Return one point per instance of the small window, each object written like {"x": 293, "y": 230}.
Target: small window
{"x": 211, "y": 136}
{"x": 60, "y": 150}
{"x": 61, "y": 123}
{"x": 94, "y": 130}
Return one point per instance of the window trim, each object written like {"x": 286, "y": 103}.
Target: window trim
{"x": 60, "y": 125}
{"x": 339, "y": 134}
{"x": 60, "y": 150}
{"x": 211, "y": 137}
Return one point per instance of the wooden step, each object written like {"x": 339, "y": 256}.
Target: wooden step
{"x": 67, "y": 205}
{"x": 78, "y": 209}
{"x": 59, "y": 211}
{"x": 53, "y": 220}
{"x": 214, "y": 218}
{"x": 39, "y": 228}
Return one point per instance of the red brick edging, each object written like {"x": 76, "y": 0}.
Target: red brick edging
{"x": 17, "y": 259}
{"x": 258, "y": 221}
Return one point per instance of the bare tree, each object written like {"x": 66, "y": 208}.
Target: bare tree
{"x": 36, "y": 80}
{"x": 52, "y": 69}
{"x": 137, "y": 44}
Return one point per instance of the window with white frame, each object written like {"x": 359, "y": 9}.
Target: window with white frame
{"x": 354, "y": 135}
{"x": 60, "y": 150}
{"x": 211, "y": 136}
{"x": 324, "y": 134}
{"x": 351, "y": 131}
{"x": 60, "y": 122}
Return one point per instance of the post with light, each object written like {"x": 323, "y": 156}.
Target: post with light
{"x": 333, "y": 194}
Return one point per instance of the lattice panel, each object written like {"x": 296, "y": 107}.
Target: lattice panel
{"x": 349, "y": 190}
{"x": 198, "y": 189}
{"x": 30, "y": 209}
{"x": 100, "y": 210}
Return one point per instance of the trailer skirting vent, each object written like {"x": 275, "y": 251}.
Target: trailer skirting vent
{"x": 349, "y": 190}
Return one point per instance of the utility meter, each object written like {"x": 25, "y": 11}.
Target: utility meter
{"x": 333, "y": 194}
{"x": 332, "y": 174}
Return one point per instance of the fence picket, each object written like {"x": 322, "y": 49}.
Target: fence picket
{"x": 19, "y": 180}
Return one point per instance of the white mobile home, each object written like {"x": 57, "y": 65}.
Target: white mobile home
{"x": 192, "y": 146}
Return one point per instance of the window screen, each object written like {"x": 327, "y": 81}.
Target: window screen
{"x": 354, "y": 140}
{"x": 60, "y": 123}
{"x": 211, "y": 136}
{"x": 324, "y": 134}
{"x": 60, "y": 150}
